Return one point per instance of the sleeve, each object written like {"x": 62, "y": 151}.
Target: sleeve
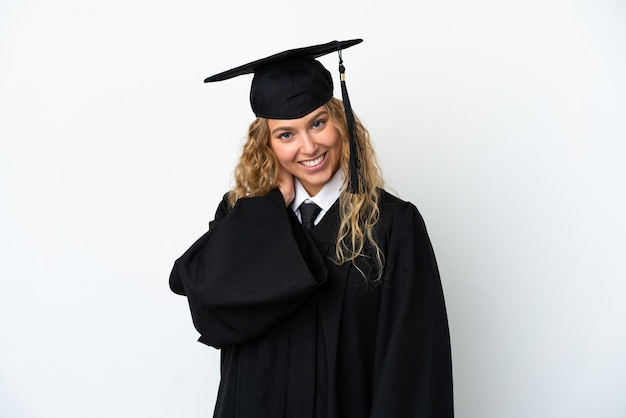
{"x": 252, "y": 268}
{"x": 413, "y": 367}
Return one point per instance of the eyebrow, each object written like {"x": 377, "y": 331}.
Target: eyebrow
{"x": 312, "y": 118}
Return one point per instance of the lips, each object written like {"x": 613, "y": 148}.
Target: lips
{"x": 315, "y": 162}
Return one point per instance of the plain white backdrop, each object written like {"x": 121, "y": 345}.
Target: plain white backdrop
{"x": 503, "y": 121}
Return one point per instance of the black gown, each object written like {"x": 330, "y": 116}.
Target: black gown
{"x": 303, "y": 337}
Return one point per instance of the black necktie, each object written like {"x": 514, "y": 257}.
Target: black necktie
{"x": 308, "y": 213}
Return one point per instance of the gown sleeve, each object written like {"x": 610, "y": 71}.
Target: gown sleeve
{"x": 252, "y": 268}
{"x": 413, "y": 370}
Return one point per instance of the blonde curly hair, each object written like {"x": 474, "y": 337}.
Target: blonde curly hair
{"x": 257, "y": 173}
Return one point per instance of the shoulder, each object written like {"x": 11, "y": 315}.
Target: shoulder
{"x": 387, "y": 198}
{"x": 397, "y": 213}
{"x": 391, "y": 205}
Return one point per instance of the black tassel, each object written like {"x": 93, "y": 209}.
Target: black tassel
{"x": 356, "y": 181}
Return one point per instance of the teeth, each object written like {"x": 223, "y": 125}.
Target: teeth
{"x": 313, "y": 163}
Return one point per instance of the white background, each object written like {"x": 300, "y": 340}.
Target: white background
{"x": 503, "y": 121}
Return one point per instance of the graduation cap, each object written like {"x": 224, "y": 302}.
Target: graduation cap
{"x": 291, "y": 84}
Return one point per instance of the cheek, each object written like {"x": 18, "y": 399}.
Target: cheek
{"x": 332, "y": 139}
{"x": 335, "y": 144}
{"x": 282, "y": 152}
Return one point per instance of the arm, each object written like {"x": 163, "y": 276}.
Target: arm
{"x": 413, "y": 370}
{"x": 249, "y": 271}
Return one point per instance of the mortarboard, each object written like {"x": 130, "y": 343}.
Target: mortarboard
{"x": 291, "y": 84}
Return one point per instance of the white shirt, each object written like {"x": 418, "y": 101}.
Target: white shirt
{"x": 324, "y": 199}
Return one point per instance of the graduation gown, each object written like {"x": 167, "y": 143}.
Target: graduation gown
{"x": 303, "y": 337}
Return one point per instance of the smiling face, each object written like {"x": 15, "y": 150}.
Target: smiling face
{"x": 309, "y": 148}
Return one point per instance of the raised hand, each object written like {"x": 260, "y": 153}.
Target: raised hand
{"x": 286, "y": 187}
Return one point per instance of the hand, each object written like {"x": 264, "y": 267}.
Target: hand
{"x": 285, "y": 185}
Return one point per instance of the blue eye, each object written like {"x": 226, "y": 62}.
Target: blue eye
{"x": 285, "y": 135}
{"x": 318, "y": 123}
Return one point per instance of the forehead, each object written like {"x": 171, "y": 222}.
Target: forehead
{"x": 306, "y": 119}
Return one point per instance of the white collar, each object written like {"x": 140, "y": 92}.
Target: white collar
{"x": 325, "y": 198}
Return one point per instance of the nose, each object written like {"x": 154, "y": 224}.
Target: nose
{"x": 308, "y": 145}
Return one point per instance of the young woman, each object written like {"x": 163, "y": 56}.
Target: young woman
{"x": 320, "y": 288}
